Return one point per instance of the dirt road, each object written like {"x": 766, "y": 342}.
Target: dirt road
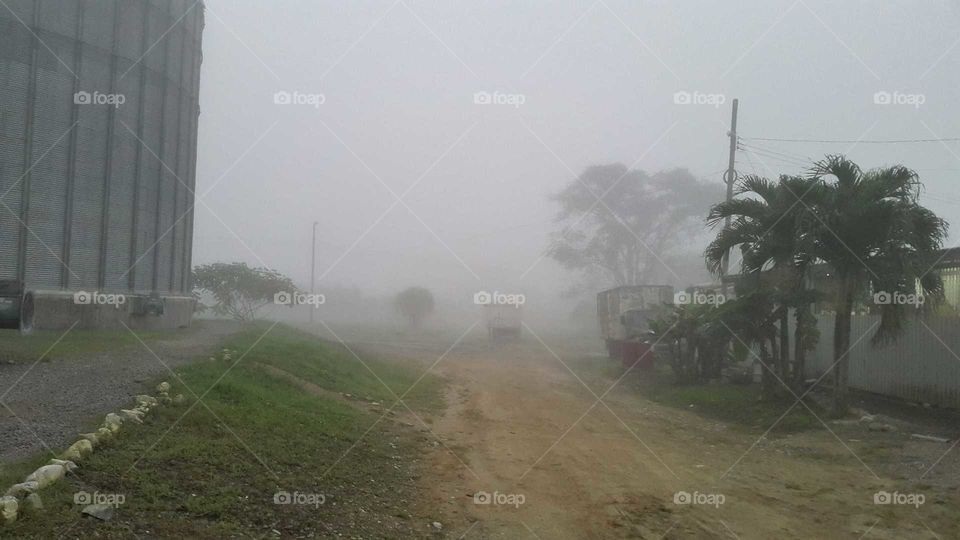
{"x": 558, "y": 463}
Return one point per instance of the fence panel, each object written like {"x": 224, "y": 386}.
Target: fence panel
{"x": 923, "y": 365}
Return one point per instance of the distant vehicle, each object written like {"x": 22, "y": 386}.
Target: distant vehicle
{"x": 503, "y": 322}
{"x": 624, "y": 314}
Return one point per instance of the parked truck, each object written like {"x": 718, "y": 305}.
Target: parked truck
{"x": 624, "y": 314}
{"x": 503, "y": 322}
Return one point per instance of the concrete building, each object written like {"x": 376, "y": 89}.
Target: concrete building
{"x": 99, "y": 105}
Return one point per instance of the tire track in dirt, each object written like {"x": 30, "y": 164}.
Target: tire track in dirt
{"x": 507, "y": 407}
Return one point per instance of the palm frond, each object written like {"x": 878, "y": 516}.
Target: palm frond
{"x": 750, "y": 208}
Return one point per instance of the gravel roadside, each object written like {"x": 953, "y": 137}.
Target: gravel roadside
{"x": 46, "y": 405}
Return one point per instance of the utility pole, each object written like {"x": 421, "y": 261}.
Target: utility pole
{"x": 730, "y": 178}
{"x": 313, "y": 269}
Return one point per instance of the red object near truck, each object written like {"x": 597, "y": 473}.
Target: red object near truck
{"x": 637, "y": 355}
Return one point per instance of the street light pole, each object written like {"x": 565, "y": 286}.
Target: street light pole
{"x": 313, "y": 267}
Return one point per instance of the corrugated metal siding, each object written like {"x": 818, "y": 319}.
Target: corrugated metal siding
{"x": 90, "y": 170}
{"x": 130, "y": 37}
{"x": 81, "y": 194}
{"x": 951, "y": 286}
{"x": 14, "y": 87}
{"x": 168, "y": 181}
{"x": 123, "y": 176}
{"x": 23, "y": 9}
{"x": 194, "y": 51}
{"x": 149, "y": 181}
{"x": 182, "y": 168}
{"x": 58, "y": 17}
{"x": 47, "y": 204}
{"x": 922, "y": 365}
{"x": 98, "y": 24}
{"x": 174, "y": 226}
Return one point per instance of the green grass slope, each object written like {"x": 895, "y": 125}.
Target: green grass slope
{"x": 214, "y": 472}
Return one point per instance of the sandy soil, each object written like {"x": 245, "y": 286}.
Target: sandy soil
{"x": 520, "y": 424}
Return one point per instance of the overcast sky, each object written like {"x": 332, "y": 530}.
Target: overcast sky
{"x": 584, "y": 83}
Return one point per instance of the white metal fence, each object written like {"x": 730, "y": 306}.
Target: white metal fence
{"x": 923, "y": 365}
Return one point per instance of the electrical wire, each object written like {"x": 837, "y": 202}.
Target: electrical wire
{"x": 750, "y": 162}
{"x": 798, "y": 157}
{"x": 855, "y": 141}
{"x": 780, "y": 157}
{"x": 774, "y": 157}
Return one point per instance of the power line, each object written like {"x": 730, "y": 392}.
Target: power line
{"x": 752, "y": 166}
{"x": 777, "y": 150}
{"x": 795, "y": 157}
{"x": 766, "y": 157}
{"x": 788, "y": 161}
{"x": 855, "y": 141}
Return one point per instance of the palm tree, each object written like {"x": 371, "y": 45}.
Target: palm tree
{"x": 750, "y": 320}
{"x": 680, "y": 329}
{"x": 871, "y": 230}
{"x": 696, "y": 340}
{"x": 771, "y": 231}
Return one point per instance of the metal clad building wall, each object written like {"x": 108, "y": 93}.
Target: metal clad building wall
{"x": 52, "y": 113}
{"x": 122, "y": 178}
{"x": 91, "y": 150}
{"x": 15, "y": 51}
{"x": 59, "y": 18}
{"x": 81, "y": 198}
{"x": 918, "y": 366}
{"x": 168, "y": 181}
{"x": 149, "y": 181}
{"x": 175, "y": 73}
{"x": 194, "y": 44}
{"x": 98, "y": 25}
{"x": 193, "y": 57}
{"x": 183, "y": 156}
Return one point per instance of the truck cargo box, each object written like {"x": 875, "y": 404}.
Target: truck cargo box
{"x": 624, "y": 316}
{"x": 503, "y": 321}
{"x": 623, "y": 308}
